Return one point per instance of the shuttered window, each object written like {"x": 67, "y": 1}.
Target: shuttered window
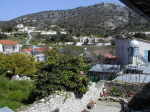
{"x": 146, "y": 54}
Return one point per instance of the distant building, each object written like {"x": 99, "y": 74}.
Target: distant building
{"x": 79, "y": 43}
{"x": 9, "y": 46}
{"x": 36, "y": 53}
{"x": 106, "y": 57}
{"x": 69, "y": 43}
{"x": 20, "y": 26}
{"x": 103, "y": 44}
{"x": 40, "y": 50}
{"x": 40, "y": 57}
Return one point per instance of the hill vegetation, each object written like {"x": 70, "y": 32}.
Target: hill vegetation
{"x": 95, "y": 19}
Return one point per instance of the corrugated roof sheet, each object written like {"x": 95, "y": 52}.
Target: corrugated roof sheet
{"x": 133, "y": 78}
{"x": 8, "y": 42}
{"x": 5, "y": 109}
{"x": 105, "y": 68}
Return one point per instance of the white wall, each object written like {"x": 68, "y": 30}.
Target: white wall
{"x": 1, "y": 48}
{"x": 122, "y": 54}
{"x": 143, "y": 46}
{"x": 9, "y": 48}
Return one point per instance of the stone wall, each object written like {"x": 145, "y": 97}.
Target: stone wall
{"x": 125, "y": 88}
{"x": 65, "y": 101}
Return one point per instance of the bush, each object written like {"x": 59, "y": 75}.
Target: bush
{"x": 13, "y": 94}
{"x": 141, "y": 36}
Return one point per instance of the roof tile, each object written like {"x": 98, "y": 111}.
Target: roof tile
{"x": 8, "y": 42}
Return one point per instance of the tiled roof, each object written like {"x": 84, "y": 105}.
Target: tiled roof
{"x": 105, "y": 54}
{"x": 8, "y": 42}
{"x": 36, "y": 49}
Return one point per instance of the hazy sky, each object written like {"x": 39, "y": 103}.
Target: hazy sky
{"x": 10, "y": 9}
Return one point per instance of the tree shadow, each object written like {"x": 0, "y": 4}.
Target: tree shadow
{"x": 141, "y": 101}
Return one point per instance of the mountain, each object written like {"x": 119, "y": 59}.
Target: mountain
{"x": 96, "y": 17}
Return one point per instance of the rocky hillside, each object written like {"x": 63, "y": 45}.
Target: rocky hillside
{"x": 98, "y": 16}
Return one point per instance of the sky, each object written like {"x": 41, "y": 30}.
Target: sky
{"x": 10, "y": 9}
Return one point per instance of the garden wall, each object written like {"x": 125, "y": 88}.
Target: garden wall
{"x": 122, "y": 89}
{"x": 65, "y": 101}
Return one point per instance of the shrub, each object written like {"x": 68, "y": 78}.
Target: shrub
{"x": 13, "y": 94}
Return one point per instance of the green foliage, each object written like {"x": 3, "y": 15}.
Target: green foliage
{"x": 113, "y": 42}
{"x": 60, "y": 72}
{"x": 86, "y": 68}
{"x": 61, "y": 38}
{"x": 3, "y": 36}
{"x": 18, "y": 64}
{"x": 21, "y": 64}
{"x": 14, "y": 93}
{"x": 141, "y": 36}
{"x": 115, "y": 92}
{"x": 7, "y": 29}
{"x": 3, "y": 63}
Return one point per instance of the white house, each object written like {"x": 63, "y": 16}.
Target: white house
{"x": 9, "y": 46}
{"x": 40, "y": 57}
{"x": 20, "y": 26}
{"x": 132, "y": 51}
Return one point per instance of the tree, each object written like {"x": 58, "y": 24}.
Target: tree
{"x": 2, "y": 63}
{"x": 3, "y": 36}
{"x": 20, "y": 64}
{"x": 60, "y": 72}
{"x": 7, "y": 29}
{"x": 141, "y": 35}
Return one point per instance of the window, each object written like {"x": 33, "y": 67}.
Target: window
{"x": 147, "y": 55}
{"x": 3, "y": 49}
{"x": 13, "y": 48}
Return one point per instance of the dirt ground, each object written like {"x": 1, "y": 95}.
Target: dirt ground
{"x": 105, "y": 106}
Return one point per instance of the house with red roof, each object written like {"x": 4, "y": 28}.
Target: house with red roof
{"x": 38, "y": 53}
{"x": 9, "y": 46}
{"x": 106, "y": 57}
{"x": 44, "y": 49}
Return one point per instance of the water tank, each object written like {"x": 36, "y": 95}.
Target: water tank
{"x": 133, "y": 51}
{"x": 134, "y": 43}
